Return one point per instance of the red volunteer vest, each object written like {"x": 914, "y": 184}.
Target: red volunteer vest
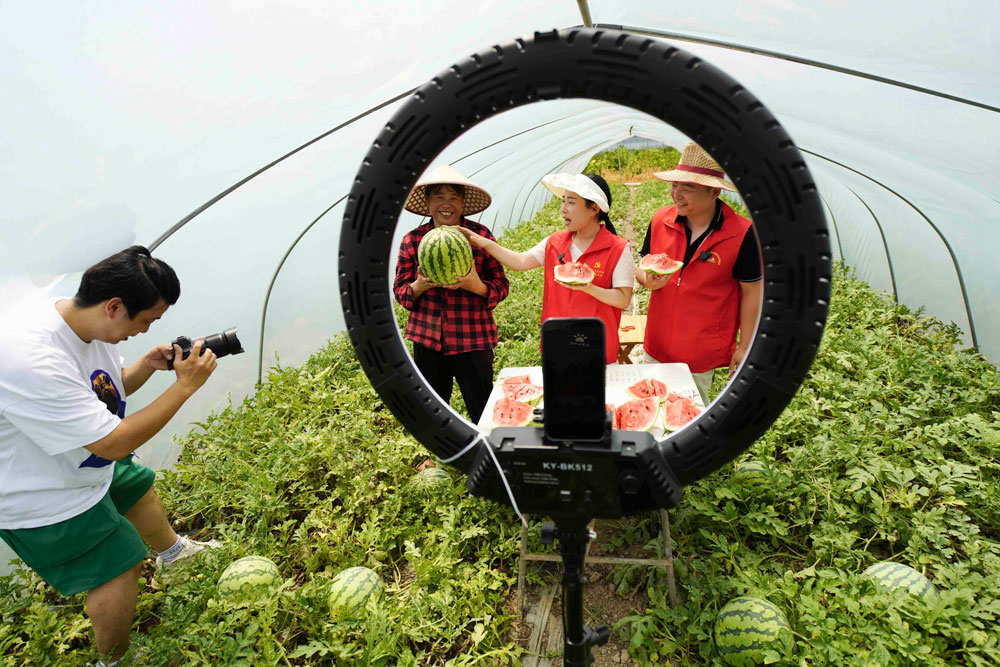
{"x": 694, "y": 318}
{"x": 558, "y": 301}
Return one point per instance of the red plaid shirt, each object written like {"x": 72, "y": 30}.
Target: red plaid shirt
{"x": 444, "y": 320}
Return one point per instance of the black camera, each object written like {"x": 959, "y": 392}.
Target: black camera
{"x": 222, "y": 344}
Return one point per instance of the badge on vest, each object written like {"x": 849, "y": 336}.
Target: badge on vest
{"x": 710, "y": 256}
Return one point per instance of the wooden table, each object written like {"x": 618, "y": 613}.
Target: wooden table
{"x": 628, "y": 339}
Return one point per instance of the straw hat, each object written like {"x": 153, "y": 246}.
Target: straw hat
{"x": 476, "y": 199}
{"x": 697, "y": 166}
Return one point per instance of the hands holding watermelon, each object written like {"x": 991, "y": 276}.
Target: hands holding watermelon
{"x": 470, "y": 281}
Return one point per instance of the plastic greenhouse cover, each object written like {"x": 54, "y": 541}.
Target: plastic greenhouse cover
{"x": 122, "y": 118}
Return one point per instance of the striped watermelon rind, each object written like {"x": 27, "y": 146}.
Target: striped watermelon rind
{"x": 429, "y": 478}
{"x": 251, "y": 574}
{"x": 747, "y": 627}
{"x": 353, "y": 588}
{"x": 891, "y": 575}
{"x": 444, "y": 255}
{"x": 754, "y": 473}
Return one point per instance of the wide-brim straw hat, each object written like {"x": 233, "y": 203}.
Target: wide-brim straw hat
{"x": 475, "y": 200}
{"x": 697, "y": 166}
{"x": 558, "y": 184}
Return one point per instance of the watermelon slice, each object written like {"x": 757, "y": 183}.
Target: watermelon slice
{"x": 614, "y": 414}
{"x": 574, "y": 273}
{"x": 512, "y": 413}
{"x": 638, "y": 415}
{"x": 647, "y": 388}
{"x": 523, "y": 392}
{"x": 679, "y": 412}
{"x": 516, "y": 379}
{"x": 660, "y": 264}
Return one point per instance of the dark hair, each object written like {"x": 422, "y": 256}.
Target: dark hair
{"x": 434, "y": 187}
{"x": 603, "y": 185}
{"x": 132, "y": 275}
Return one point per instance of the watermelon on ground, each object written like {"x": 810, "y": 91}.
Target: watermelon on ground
{"x": 573, "y": 273}
{"x": 648, "y": 387}
{"x": 891, "y": 575}
{"x": 638, "y": 415}
{"x": 751, "y": 472}
{"x": 524, "y": 392}
{"x": 747, "y": 627}
{"x": 660, "y": 264}
{"x": 512, "y": 413}
{"x": 354, "y": 587}
{"x": 430, "y": 478}
{"x": 444, "y": 255}
{"x": 251, "y": 575}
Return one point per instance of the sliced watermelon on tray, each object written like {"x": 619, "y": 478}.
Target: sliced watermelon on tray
{"x": 638, "y": 415}
{"x": 512, "y": 413}
{"x": 648, "y": 388}
{"x": 679, "y": 412}
{"x": 522, "y": 391}
{"x": 516, "y": 379}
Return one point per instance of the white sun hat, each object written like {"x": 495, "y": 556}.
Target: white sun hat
{"x": 558, "y": 184}
{"x": 475, "y": 200}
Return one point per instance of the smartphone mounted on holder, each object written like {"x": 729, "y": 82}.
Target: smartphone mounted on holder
{"x": 573, "y": 367}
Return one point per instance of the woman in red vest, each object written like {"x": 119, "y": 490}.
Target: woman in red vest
{"x": 588, "y": 237}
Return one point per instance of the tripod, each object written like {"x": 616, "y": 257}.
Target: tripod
{"x": 573, "y": 536}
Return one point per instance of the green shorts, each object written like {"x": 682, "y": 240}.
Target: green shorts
{"x": 94, "y": 547}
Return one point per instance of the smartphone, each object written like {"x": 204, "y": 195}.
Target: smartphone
{"x": 573, "y": 367}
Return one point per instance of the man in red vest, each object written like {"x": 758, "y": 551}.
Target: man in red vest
{"x": 694, "y": 315}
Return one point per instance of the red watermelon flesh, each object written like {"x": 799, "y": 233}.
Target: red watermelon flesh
{"x": 660, "y": 264}
{"x": 638, "y": 415}
{"x": 648, "y": 388}
{"x": 614, "y": 414}
{"x": 512, "y": 413}
{"x": 679, "y": 412}
{"x": 523, "y": 392}
{"x": 573, "y": 273}
{"x": 517, "y": 379}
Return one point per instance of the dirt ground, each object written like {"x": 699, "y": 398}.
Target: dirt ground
{"x": 601, "y": 601}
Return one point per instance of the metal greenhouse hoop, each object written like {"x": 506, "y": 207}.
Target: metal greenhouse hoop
{"x": 647, "y": 75}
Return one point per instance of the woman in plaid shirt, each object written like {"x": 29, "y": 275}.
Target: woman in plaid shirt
{"x": 451, "y": 326}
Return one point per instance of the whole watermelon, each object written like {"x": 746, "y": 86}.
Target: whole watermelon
{"x": 891, "y": 575}
{"x": 754, "y": 473}
{"x": 444, "y": 255}
{"x": 353, "y": 587}
{"x": 250, "y": 575}
{"x": 430, "y": 478}
{"x": 745, "y": 628}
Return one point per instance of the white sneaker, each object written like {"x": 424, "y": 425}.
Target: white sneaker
{"x": 191, "y": 547}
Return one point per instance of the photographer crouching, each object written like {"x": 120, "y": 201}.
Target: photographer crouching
{"x": 74, "y": 505}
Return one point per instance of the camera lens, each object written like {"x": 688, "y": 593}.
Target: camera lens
{"x": 224, "y": 343}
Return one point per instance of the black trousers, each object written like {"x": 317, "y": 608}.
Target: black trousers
{"x": 473, "y": 370}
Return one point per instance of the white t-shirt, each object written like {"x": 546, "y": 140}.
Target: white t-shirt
{"x": 622, "y": 276}
{"x": 57, "y": 394}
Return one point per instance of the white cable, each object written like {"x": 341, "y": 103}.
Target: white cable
{"x": 482, "y": 437}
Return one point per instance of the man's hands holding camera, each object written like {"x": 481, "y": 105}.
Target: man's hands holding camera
{"x": 195, "y": 369}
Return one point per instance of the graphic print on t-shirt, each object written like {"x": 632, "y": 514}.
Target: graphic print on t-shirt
{"x": 106, "y": 390}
